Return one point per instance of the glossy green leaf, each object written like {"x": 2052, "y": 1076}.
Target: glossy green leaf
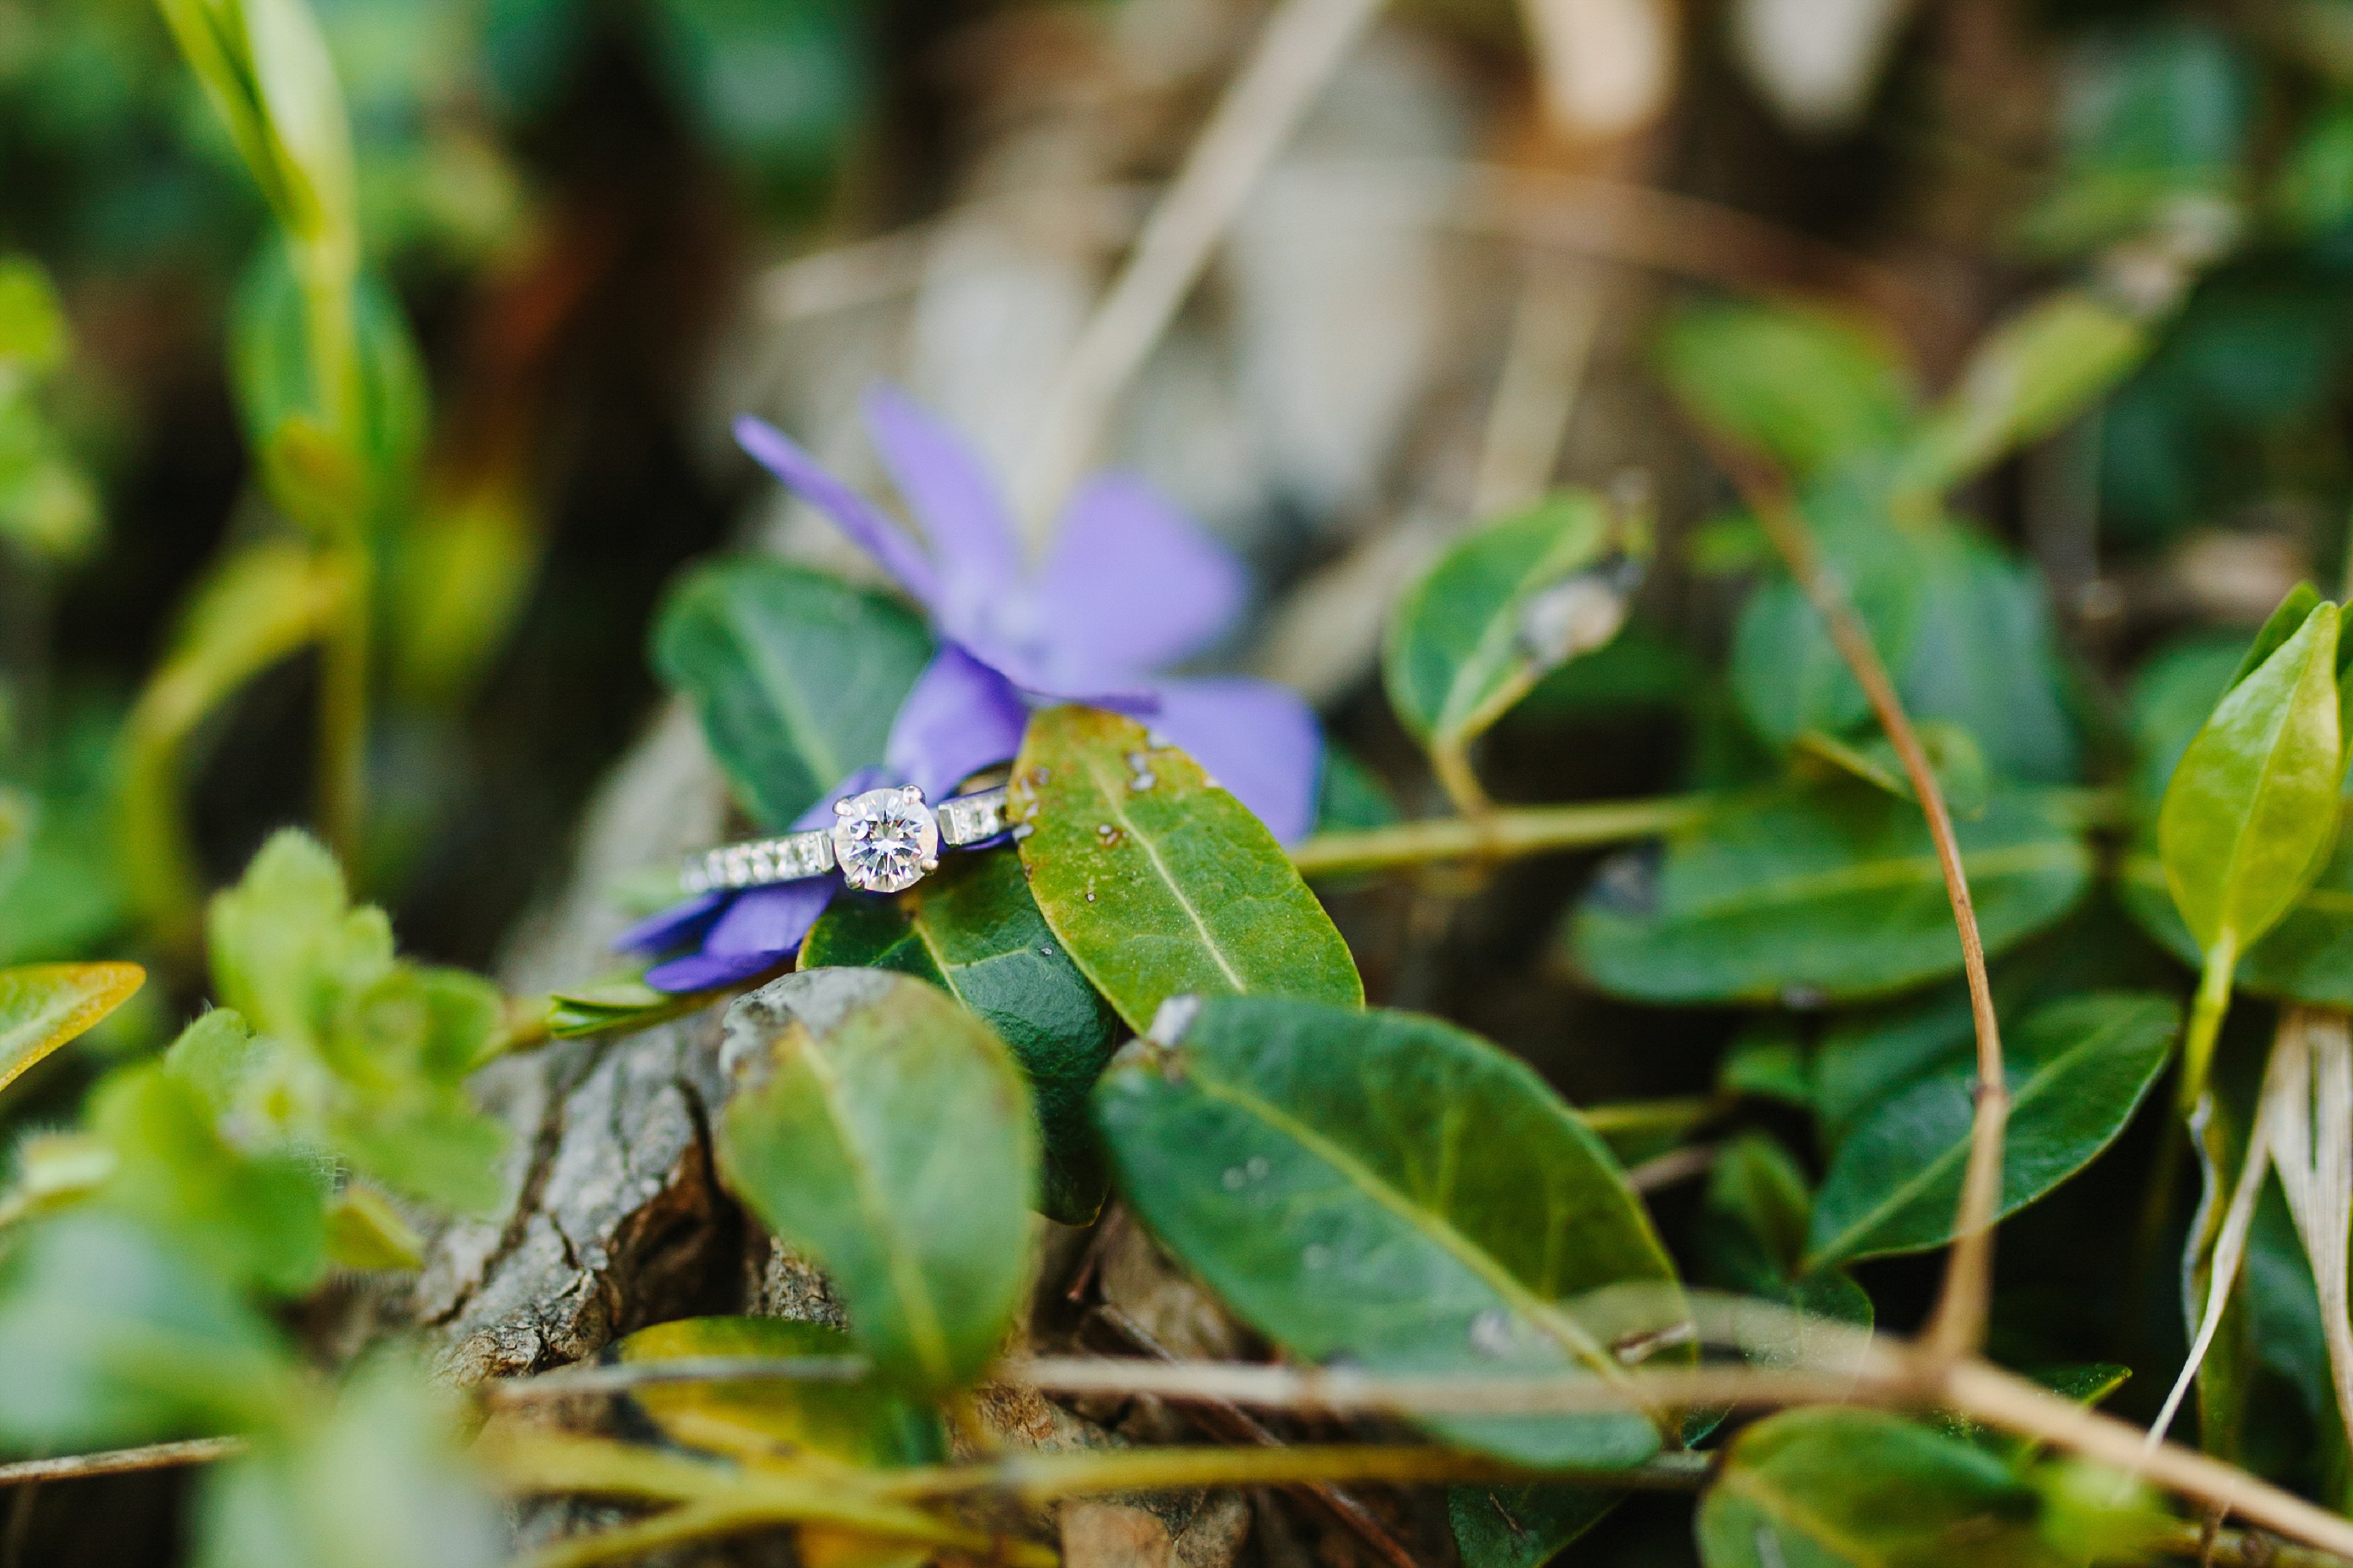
{"x": 112, "y": 1338}
{"x": 852, "y": 1421}
{"x": 2077, "y": 1069}
{"x": 2028, "y": 377}
{"x": 1159, "y": 883}
{"x": 1805, "y": 387}
{"x": 1864, "y": 1058}
{"x": 1467, "y": 641}
{"x": 795, "y": 675}
{"x": 1819, "y": 896}
{"x": 2251, "y": 814}
{"x": 885, "y": 1132}
{"x": 44, "y": 1005}
{"x": 2307, "y": 957}
{"x": 1388, "y": 1190}
{"x": 972, "y": 930}
{"x": 1839, "y": 1487}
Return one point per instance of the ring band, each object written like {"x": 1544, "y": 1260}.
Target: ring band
{"x": 882, "y": 842}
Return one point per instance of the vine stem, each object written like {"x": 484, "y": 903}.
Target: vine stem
{"x": 1501, "y": 833}
{"x": 1303, "y": 43}
{"x": 1956, "y": 1326}
{"x": 121, "y": 1461}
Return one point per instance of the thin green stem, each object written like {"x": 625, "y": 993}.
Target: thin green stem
{"x": 2206, "y": 1014}
{"x": 344, "y": 710}
{"x": 1506, "y": 833}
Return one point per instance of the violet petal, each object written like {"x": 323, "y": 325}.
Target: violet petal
{"x": 953, "y": 495}
{"x": 1257, "y": 739}
{"x": 680, "y": 924}
{"x": 770, "y": 919}
{"x": 852, "y": 512}
{"x": 1131, "y": 583}
{"x": 701, "y": 972}
{"x": 961, "y": 717}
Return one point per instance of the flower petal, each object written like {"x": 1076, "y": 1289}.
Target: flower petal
{"x": 1257, "y": 739}
{"x": 703, "y": 971}
{"x": 852, "y": 512}
{"x": 770, "y": 919}
{"x": 679, "y": 924}
{"x": 953, "y": 495}
{"x": 961, "y": 717}
{"x": 1133, "y": 583}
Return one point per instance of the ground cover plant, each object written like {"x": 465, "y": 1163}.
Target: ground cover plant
{"x": 1772, "y": 1013}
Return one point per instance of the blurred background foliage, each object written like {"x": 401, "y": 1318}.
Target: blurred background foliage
{"x": 593, "y": 229}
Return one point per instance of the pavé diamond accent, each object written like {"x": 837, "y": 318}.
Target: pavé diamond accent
{"x": 885, "y": 839}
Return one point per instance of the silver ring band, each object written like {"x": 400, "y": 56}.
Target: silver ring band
{"x": 882, "y": 841}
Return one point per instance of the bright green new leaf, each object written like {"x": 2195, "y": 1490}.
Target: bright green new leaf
{"x": 2028, "y": 377}
{"x": 364, "y": 1231}
{"x": 795, "y": 675}
{"x": 885, "y": 1132}
{"x": 1809, "y": 389}
{"x": 2078, "y": 1069}
{"x": 43, "y": 1005}
{"x": 1839, "y": 1487}
{"x": 2251, "y": 814}
{"x": 618, "y": 1007}
{"x": 850, "y": 1420}
{"x": 256, "y": 1218}
{"x": 1513, "y": 600}
{"x": 2307, "y": 957}
{"x": 1159, "y": 883}
{"x": 1387, "y": 1190}
{"x": 310, "y": 139}
{"x": 974, "y": 930}
{"x": 1820, "y": 896}
{"x": 112, "y": 1338}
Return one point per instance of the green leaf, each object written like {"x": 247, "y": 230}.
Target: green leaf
{"x": 2251, "y": 814}
{"x": 1388, "y": 1190}
{"x": 884, "y": 1132}
{"x": 254, "y": 1218}
{"x": 1954, "y": 760}
{"x": 1522, "y": 1526}
{"x": 1470, "y": 638}
{"x": 972, "y": 930}
{"x": 112, "y": 1338}
{"x": 1350, "y": 795}
{"x": 619, "y": 1007}
{"x": 1838, "y": 1487}
{"x": 2029, "y": 376}
{"x": 795, "y": 675}
{"x": 34, "y": 338}
{"x": 364, "y": 1231}
{"x": 1805, "y": 387}
{"x": 1159, "y": 883}
{"x": 1753, "y": 1232}
{"x": 1864, "y": 1058}
{"x": 44, "y": 1005}
{"x": 287, "y": 419}
{"x": 2307, "y": 957}
{"x": 850, "y": 1420}
{"x": 1965, "y": 631}
{"x": 2077, "y": 1070}
{"x": 372, "y": 1478}
{"x": 1820, "y": 896}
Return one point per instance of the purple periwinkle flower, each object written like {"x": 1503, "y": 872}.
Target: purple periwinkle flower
{"x": 1130, "y": 587}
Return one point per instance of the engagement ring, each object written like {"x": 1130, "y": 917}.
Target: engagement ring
{"x": 884, "y": 841}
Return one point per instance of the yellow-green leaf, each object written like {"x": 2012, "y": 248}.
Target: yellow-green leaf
{"x": 43, "y": 1005}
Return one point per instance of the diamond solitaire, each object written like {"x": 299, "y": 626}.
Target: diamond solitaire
{"x": 885, "y": 839}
